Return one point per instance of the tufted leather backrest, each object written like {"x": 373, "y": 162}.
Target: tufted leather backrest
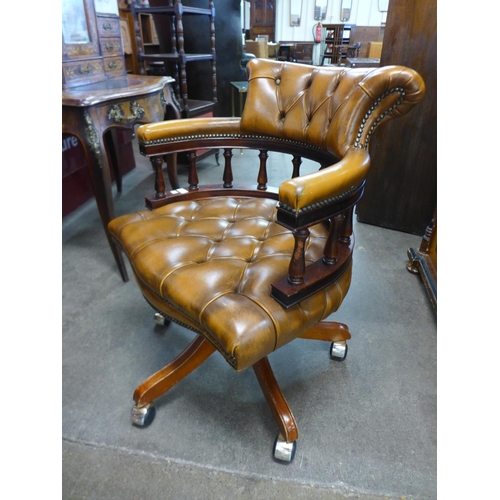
{"x": 330, "y": 107}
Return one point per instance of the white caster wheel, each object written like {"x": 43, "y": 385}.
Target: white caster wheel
{"x": 161, "y": 320}
{"x": 142, "y": 416}
{"x": 283, "y": 451}
{"x": 338, "y": 350}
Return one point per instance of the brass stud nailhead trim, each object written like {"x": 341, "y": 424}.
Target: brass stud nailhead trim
{"x": 231, "y": 136}
{"x": 315, "y": 206}
{"x": 402, "y": 93}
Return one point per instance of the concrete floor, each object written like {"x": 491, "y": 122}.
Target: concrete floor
{"x": 367, "y": 425}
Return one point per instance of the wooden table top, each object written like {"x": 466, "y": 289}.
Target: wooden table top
{"x": 113, "y": 88}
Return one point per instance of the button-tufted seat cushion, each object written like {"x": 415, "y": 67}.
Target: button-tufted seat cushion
{"x": 210, "y": 263}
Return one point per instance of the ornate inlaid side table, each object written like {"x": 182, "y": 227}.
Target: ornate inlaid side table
{"x": 88, "y": 111}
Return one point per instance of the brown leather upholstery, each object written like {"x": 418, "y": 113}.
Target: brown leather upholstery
{"x": 329, "y": 107}
{"x": 251, "y": 269}
{"x": 211, "y": 262}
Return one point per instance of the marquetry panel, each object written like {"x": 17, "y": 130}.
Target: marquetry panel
{"x": 86, "y": 71}
{"x": 111, "y": 46}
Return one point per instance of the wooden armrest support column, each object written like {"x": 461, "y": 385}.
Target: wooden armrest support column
{"x": 316, "y": 277}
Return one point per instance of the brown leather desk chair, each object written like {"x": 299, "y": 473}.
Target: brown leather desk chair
{"x": 249, "y": 269}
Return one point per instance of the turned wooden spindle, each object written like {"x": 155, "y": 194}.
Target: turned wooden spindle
{"x": 173, "y": 37}
{"x": 211, "y": 6}
{"x": 193, "y": 173}
{"x": 296, "y": 162}
{"x": 171, "y": 161}
{"x": 262, "y": 179}
{"x": 157, "y": 162}
{"x": 139, "y": 45}
{"x": 173, "y": 44}
{"x": 346, "y": 228}
{"x": 228, "y": 171}
{"x": 179, "y": 29}
{"x": 331, "y": 251}
{"x": 297, "y": 267}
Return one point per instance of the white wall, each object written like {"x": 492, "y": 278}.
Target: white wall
{"x": 363, "y": 13}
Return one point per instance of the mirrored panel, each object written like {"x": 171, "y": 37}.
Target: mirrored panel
{"x": 106, "y": 7}
{"x": 320, "y": 10}
{"x": 295, "y": 12}
{"x": 345, "y": 10}
{"x": 74, "y": 22}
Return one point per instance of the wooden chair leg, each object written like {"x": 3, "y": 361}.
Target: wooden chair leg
{"x": 276, "y": 401}
{"x": 163, "y": 380}
{"x": 330, "y": 331}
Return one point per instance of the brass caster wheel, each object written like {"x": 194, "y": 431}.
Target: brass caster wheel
{"x": 338, "y": 350}
{"x": 283, "y": 451}
{"x": 142, "y": 416}
{"x": 161, "y": 320}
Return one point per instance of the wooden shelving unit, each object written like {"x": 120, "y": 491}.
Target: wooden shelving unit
{"x": 175, "y": 59}
{"x": 336, "y": 44}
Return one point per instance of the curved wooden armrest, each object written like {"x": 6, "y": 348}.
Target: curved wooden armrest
{"x": 326, "y": 187}
{"x": 163, "y": 133}
{"x": 182, "y": 127}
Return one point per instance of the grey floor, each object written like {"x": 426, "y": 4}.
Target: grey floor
{"x": 367, "y": 425}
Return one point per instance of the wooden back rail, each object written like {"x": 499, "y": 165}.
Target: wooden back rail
{"x": 302, "y": 280}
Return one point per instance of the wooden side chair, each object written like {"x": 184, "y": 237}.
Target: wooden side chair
{"x": 251, "y": 268}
